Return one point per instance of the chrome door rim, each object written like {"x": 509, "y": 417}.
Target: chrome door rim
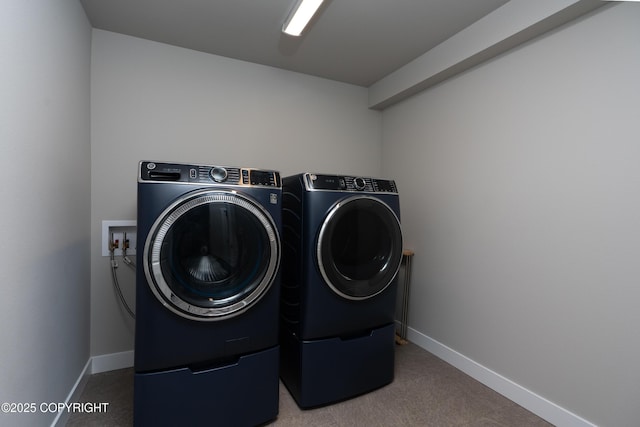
{"x": 321, "y": 238}
{"x": 159, "y": 230}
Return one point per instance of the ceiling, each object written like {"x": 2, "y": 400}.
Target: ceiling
{"x": 352, "y": 41}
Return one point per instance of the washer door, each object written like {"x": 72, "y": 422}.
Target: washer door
{"x": 359, "y": 247}
{"x": 211, "y": 255}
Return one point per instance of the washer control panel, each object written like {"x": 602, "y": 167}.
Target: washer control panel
{"x": 207, "y": 174}
{"x": 348, "y": 183}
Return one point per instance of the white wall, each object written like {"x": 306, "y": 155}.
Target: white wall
{"x": 44, "y": 220}
{"x": 520, "y": 192}
{"x": 158, "y": 102}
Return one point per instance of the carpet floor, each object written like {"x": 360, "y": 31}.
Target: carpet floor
{"x": 426, "y": 391}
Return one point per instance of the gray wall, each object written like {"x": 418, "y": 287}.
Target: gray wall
{"x": 151, "y": 101}
{"x": 44, "y": 220}
{"x": 521, "y": 198}
{"x": 519, "y": 184}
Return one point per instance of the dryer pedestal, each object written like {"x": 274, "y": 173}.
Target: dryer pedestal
{"x": 324, "y": 371}
{"x": 244, "y": 393}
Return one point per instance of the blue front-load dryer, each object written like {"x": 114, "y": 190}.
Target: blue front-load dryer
{"x": 207, "y": 295}
{"x": 342, "y": 249}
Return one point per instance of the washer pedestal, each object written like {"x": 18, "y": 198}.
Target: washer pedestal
{"x": 244, "y": 393}
{"x": 324, "y": 371}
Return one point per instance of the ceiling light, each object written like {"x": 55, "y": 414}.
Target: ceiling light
{"x": 300, "y": 16}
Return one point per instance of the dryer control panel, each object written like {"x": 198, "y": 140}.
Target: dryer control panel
{"x": 349, "y": 183}
{"x": 207, "y": 174}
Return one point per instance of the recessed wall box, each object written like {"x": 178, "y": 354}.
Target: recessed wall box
{"x": 122, "y": 234}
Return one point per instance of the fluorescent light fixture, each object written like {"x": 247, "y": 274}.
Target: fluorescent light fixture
{"x": 300, "y": 16}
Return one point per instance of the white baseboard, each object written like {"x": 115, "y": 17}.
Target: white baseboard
{"x": 111, "y": 362}
{"x": 540, "y": 406}
{"x": 74, "y": 395}
{"x": 95, "y": 365}
{"x": 529, "y": 400}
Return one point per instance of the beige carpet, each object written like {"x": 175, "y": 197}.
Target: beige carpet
{"x": 426, "y": 392}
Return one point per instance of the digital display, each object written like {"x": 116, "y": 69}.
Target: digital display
{"x": 261, "y": 178}
{"x": 328, "y": 182}
{"x": 383, "y": 185}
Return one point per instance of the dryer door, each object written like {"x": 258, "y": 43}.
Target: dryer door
{"x": 212, "y": 255}
{"x": 359, "y": 247}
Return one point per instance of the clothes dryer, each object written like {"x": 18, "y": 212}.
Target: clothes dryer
{"x": 207, "y": 295}
{"x": 341, "y": 253}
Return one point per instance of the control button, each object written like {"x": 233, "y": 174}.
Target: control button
{"x": 359, "y": 183}
{"x": 218, "y": 174}
{"x": 193, "y": 174}
{"x": 151, "y": 166}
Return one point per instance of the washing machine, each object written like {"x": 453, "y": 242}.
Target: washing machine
{"x": 207, "y": 295}
{"x": 342, "y": 249}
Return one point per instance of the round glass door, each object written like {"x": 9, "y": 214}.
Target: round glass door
{"x": 359, "y": 247}
{"x": 211, "y": 255}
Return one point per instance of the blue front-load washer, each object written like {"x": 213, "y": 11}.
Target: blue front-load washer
{"x": 342, "y": 248}
{"x": 207, "y": 295}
